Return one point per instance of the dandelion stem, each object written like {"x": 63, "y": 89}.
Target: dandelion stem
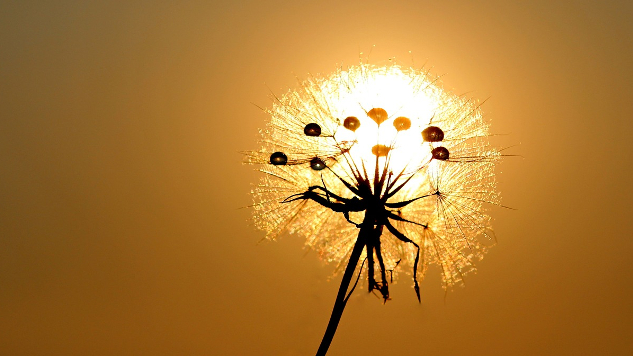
{"x": 366, "y": 231}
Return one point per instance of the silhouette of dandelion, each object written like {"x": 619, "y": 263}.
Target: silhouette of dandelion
{"x": 377, "y": 164}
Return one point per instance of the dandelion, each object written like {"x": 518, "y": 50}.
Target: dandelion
{"x": 377, "y": 164}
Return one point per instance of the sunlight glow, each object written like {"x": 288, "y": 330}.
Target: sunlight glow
{"x": 395, "y": 88}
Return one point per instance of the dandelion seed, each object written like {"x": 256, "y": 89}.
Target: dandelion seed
{"x": 389, "y": 195}
{"x": 351, "y": 123}
{"x": 402, "y": 123}
{"x": 312, "y": 129}
{"x": 433, "y": 134}
{"x": 380, "y": 150}
{"x": 379, "y": 115}
{"x": 440, "y": 153}
{"x": 278, "y": 159}
{"x": 317, "y": 164}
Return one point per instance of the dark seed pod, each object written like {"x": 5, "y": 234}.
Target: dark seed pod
{"x": 278, "y": 159}
{"x": 378, "y": 114}
{"x": 433, "y": 134}
{"x": 317, "y": 164}
{"x": 440, "y": 153}
{"x": 402, "y": 123}
{"x": 312, "y": 129}
{"x": 351, "y": 123}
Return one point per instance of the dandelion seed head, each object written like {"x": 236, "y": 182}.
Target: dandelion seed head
{"x": 371, "y": 119}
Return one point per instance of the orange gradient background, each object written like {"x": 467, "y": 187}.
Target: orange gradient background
{"x": 121, "y": 180}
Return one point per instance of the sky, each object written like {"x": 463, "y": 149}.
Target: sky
{"x": 124, "y": 226}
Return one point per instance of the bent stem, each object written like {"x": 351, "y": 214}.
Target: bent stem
{"x": 367, "y": 228}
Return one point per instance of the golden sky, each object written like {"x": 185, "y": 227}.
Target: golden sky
{"x": 121, "y": 180}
